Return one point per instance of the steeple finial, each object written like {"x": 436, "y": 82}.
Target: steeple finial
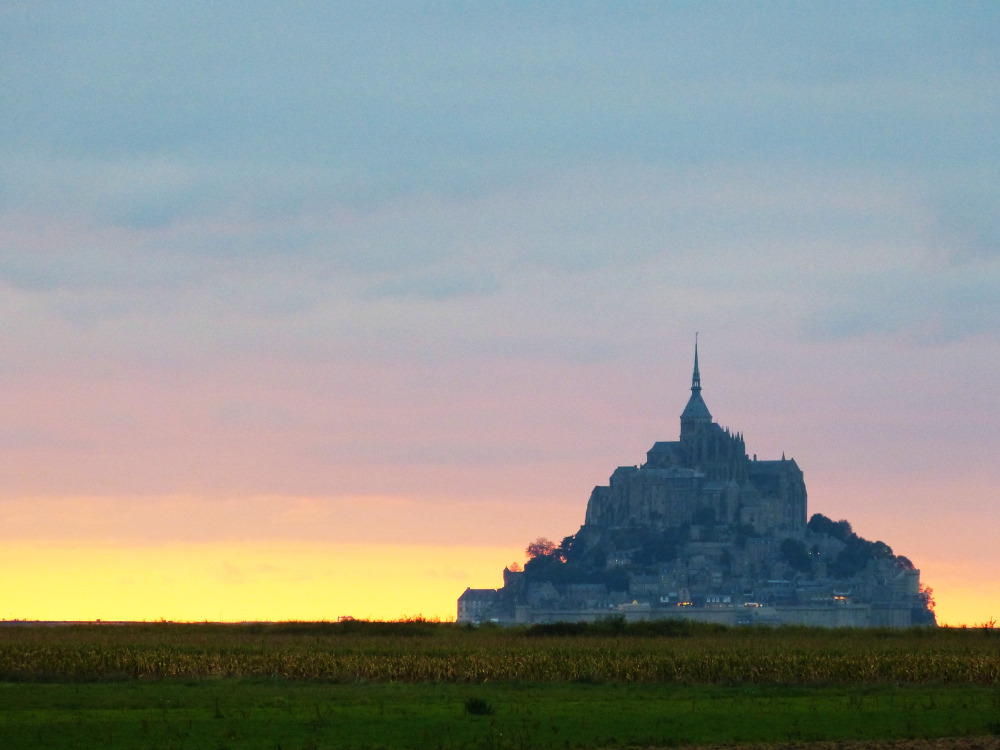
{"x": 696, "y": 378}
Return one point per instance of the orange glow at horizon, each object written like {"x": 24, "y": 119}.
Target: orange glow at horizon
{"x": 965, "y": 594}
{"x": 224, "y": 581}
{"x": 274, "y": 581}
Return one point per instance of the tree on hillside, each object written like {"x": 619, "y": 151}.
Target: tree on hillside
{"x": 923, "y": 613}
{"x": 565, "y": 548}
{"x": 541, "y": 547}
{"x": 837, "y": 529}
{"x": 927, "y": 596}
{"x": 858, "y": 551}
{"x": 796, "y": 555}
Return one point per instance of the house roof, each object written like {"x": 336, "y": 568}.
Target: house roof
{"x": 662, "y": 446}
{"x": 478, "y": 594}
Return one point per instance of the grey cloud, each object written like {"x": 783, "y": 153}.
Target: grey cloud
{"x": 38, "y": 439}
{"x": 437, "y": 286}
{"x": 436, "y": 245}
{"x": 968, "y": 224}
{"x": 934, "y": 306}
{"x": 252, "y": 415}
{"x": 592, "y": 248}
{"x": 408, "y": 98}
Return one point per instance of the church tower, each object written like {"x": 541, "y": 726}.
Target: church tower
{"x": 706, "y": 470}
{"x": 709, "y": 449}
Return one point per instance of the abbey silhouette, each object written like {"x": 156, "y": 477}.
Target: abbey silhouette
{"x": 707, "y": 474}
{"x": 702, "y": 530}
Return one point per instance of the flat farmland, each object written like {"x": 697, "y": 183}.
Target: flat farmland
{"x": 429, "y": 685}
{"x": 666, "y": 652}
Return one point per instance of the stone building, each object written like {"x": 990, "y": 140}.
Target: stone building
{"x": 474, "y": 604}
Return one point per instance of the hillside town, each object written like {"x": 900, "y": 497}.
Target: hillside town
{"x": 704, "y": 531}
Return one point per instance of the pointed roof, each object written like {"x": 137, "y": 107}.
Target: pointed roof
{"x": 696, "y": 408}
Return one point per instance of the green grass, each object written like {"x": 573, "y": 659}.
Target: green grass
{"x": 271, "y": 714}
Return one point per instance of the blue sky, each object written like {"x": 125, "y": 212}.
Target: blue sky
{"x": 377, "y": 100}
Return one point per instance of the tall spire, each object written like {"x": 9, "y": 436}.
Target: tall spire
{"x": 695, "y": 412}
{"x": 696, "y": 377}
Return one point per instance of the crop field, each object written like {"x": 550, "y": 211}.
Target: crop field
{"x": 666, "y": 652}
{"x": 428, "y": 685}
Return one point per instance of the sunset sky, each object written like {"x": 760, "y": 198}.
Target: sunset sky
{"x": 316, "y": 309}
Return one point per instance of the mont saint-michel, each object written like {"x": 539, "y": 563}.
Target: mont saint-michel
{"x": 705, "y": 531}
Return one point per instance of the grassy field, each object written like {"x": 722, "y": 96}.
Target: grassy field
{"x": 412, "y": 685}
{"x": 672, "y": 652}
{"x": 270, "y": 714}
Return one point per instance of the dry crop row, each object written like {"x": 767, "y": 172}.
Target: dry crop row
{"x": 635, "y": 663}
